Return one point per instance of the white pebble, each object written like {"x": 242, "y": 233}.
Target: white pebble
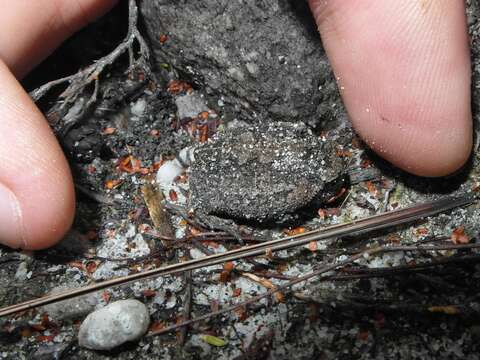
{"x": 168, "y": 172}
{"x": 138, "y": 108}
{"x": 113, "y": 325}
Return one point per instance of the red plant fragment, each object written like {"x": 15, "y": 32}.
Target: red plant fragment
{"x": 91, "y": 235}
{"x": 163, "y": 38}
{"x": 148, "y": 293}
{"x": 212, "y": 244}
{"x": 109, "y": 131}
{"x": 173, "y": 195}
{"x": 421, "y": 232}
{"x": 38, "y": 327}
{"x": 224, "y": 276}
{"x": 154, "y": 132}
{"x": 106, "y": 296}
{"x": 356, "y": 142}
{"x": 129, "y": 164}
{"x": 459, "y": 237}
{"x": 228, "y": 266}
{"x": 203, "y": 134}
{"x": 295, "y": 231}
{"x": 112, "y": 184}
{"x": 322, "y": 213}
{"x": 363, "y": 335}
{"x": 372, "y": 189}
{"x": 204, "y": 115}
{"x": 366, "y": 163}
{"x": 343, "y": 153}
{"x": 156, "y": 326}
{"x": 77, "y": 264}
{"x": 337, "y": 196}
{"x": 176, "y": 87}
{"x": 91, "y": 267}
{"x": 280, "y": 297}
{"x": 241, "y": 313}
{"x": 45, "y": 338}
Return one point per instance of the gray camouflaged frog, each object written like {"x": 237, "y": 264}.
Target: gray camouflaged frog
{"x": 261, "y": 173}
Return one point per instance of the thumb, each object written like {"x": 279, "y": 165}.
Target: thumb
{"x": 403, "y": 69}
{"x": 36, "y": 190}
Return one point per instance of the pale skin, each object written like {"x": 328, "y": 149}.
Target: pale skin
{"x": 403, "y": 70}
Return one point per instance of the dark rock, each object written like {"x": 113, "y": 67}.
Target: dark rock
{"x": 262, "y": 172}
{"x": 83, "y": 143}
{"x": 260, "y": 58}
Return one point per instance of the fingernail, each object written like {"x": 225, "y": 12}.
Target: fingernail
{"x": 10, "y": 219}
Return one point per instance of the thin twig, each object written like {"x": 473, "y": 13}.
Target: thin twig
{"x": 371, "y": 223}
{"x": 79, "y": 81}
{"x": 187, "y": 306}
{"x": 367, "y": 253}
{"x": 95, "y": 196}
{"x": 270, "y": 292}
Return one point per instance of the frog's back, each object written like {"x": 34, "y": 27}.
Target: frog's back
{"x": 260, "y": 172}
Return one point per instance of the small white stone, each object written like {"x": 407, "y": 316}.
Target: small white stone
{"x": 22, "y": 271}
{"x": 190, "y": 105}
{"x": 113, "y": 325}
{"x": 168, "y": 172}
{"x": 70, "y": 308}
{"x": 138, "y": 108}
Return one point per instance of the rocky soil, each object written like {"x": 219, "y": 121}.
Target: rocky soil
{"x": 217, "y": 66}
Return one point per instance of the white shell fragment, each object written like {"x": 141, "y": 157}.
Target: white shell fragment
{"x": 113, "y": 325}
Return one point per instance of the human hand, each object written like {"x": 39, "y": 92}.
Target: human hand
{"x": 403, "y": 69}
{"x": 37, "y": 200}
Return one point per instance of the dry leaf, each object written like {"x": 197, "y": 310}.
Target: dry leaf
{"x": 160, "y": 218}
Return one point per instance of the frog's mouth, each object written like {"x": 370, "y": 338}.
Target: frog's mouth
{"x": 332, "y": 195}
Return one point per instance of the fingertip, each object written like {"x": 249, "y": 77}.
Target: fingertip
{"x": 57, "y": 206}
{"x": 31, "y": 30}
{"x": 403, "y": 70}
{"x": 422, "y": 152}
{"x": 34, "y": 171}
